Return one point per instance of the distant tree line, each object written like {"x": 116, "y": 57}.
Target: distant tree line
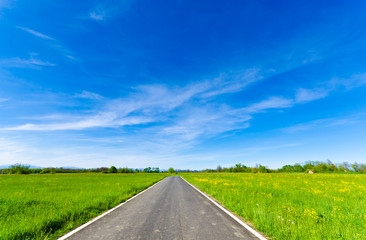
{"x": 325, "y": 167}
{"x": 25, "y": 169}
{"x": 238, "y": 168}
{"x": 315, "y": 167}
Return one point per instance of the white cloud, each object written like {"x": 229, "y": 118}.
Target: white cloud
{"x": 305, "y": 95}
{"x": 12, "y": 151}
{"x": 35, "y": 33}
{"x": 230, "y": 83}
{"x": 64, "y": 51}
{"x": 171, "y": 117}
{"x": 354, "y": 81}
{"x": 49, "y": 117}
{"x": 322, "y": 123}
{"x": 204, "y": 122}
{"x": 88, "y": 95}
{"x": 54, "y": 44}
{"x": 178, "y": 114}
{"x": 4, "y": 100}
{"x": 97, "y": 14}
{"x": 25, "y": 63}
{"x": 270, "y": 103}
{"x": 103, "y": 120}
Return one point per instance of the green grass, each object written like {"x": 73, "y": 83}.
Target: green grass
{"x": 47, "y": 206}
{"x": 292, "y": 206}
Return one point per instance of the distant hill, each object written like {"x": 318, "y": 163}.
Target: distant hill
{"x": 71, "y": 167}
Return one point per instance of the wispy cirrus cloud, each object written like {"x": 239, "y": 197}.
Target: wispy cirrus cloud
{"x": 109, "y": 9}
{"x": 172, "y": 118}
{"x": 354, "y": 81}
{"x": 88, "y": 95}
{"x": 231, "y": 83}
{"x": 54, "y": 43}
{"x": 305, "y": 95}
{"x": 274, "y": 102}
{"x": 322, "y": 123}
{"x": 179, "y": 109}
{"x": 25, "y": 63}
{"x": 35, "y": 33}
{"x": 97, "y": 14}
{"x": 196, "y": 122}
{"x": 103, "y": 120}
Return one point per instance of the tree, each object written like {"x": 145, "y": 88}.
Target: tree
{"x": 309, "y": 166}
{"x": 346, "y": 166}
{"x": 112, "y": 169}
{"x": 263, "y": 169}
{"x": 355, "y": 167}
{"x": 147, "y": 170}
{"x": 19, "y": 169}
{"x": 171, "y": 170}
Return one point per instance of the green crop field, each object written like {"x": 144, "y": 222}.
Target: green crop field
{"x": 292, "y": 206}
{"x": 47, "y": 206}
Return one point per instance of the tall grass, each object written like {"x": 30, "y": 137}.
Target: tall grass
{"x": 47, "y": 206}
{"x": 292, "y": 206}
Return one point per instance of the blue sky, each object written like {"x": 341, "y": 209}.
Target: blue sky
{"x": 187, "y": 84}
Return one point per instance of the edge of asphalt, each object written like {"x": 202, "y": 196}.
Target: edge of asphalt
{"x": 250, "y": 229}
{"x": 67, "y": 235}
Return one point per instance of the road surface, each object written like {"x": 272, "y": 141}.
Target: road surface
{"x": 170, "y": 210}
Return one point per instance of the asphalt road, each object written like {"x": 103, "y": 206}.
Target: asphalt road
{"x": 170, "y": 210}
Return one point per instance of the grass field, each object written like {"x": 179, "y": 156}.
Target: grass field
{"x": 46, "y": 206}
{"x": 292, "y": 206}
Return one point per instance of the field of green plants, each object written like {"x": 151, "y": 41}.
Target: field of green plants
{"x": 47, "y": 206}
{"x": 292, "y": 206}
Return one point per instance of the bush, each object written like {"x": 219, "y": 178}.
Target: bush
{"x": 263, "y": 169}
{"x": 19, "y": 169}
{"x": 112, "y": 169}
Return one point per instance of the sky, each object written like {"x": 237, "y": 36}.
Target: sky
{"x": 181, "y": 83}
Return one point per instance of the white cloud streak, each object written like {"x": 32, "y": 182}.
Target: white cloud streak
{"x": 172, "y": 118}
{"x": 54, "y": 43}
{"x": 25, "y": 63}
{"x": 97, "y": 14}
{"x": 305, "y": 95}
{"x": 88, "y": 95}
{"x": 35, "y": 33}
{"x": 354, "y": 81}
{"x": 178, "y": 109}
{"x": 270, "y": 103}
{"x": 221, "y": 84}
{"x": 321, "y": 123}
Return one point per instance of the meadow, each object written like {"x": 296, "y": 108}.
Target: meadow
{"x": 47, "y": 206}
{"x": 292, "y": 206}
